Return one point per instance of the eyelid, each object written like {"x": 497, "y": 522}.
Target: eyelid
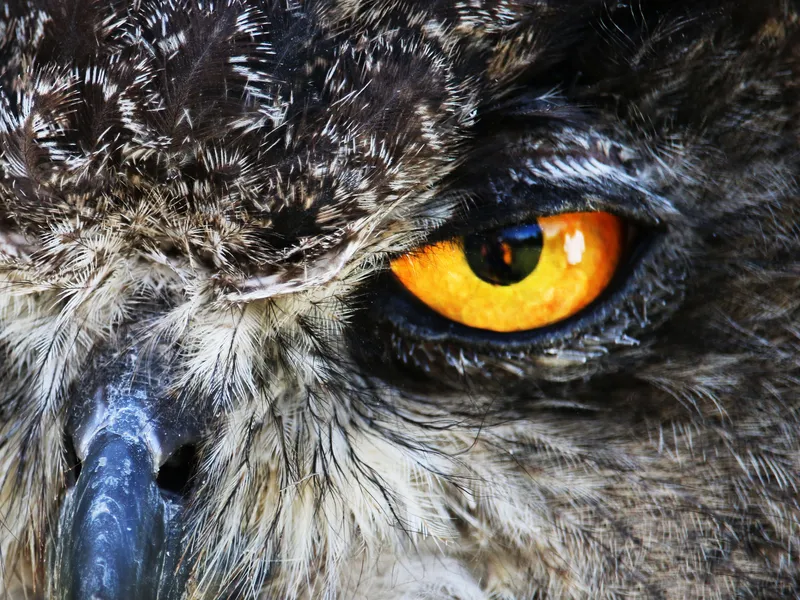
{"x": 545, "y": 202}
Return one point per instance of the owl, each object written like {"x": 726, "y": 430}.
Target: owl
{"x": 399, "y": 299}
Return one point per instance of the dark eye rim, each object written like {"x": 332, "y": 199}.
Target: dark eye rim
{"x": 410, "y": 317}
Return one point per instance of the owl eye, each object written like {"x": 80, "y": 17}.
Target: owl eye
{"x": 517, "y": 278}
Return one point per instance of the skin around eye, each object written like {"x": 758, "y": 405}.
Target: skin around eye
{"x": 517, "y": 278}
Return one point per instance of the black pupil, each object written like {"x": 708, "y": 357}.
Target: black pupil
{"x": 504, "y": 256}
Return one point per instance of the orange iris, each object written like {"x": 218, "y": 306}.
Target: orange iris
{"x": 517, "y": 278}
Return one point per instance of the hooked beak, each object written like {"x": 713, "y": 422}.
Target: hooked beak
{"x": 120, "y": 536}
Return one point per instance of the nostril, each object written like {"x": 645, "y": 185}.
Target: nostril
{"x": 176, "y": 473}
{"x": 73, "y": 462}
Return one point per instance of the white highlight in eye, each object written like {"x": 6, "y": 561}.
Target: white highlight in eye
{"x": 574, "y": 247}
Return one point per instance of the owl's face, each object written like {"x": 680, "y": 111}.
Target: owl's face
{"x": 376, "y": 299}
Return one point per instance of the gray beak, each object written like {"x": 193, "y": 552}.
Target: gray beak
{"x": 120, "y": 534}
{"x": 119, "y": 538}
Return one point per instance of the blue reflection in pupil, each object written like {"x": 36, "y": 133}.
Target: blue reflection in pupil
{"x": 504, "y": 256}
